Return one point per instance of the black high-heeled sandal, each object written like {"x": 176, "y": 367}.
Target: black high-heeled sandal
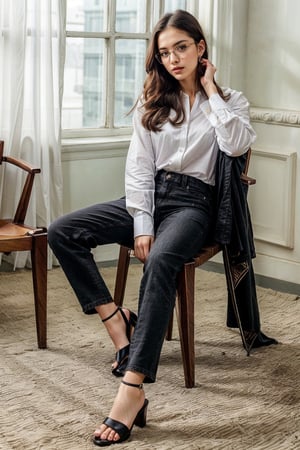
{"x": 122, "y": 430}
{"x": 122, "y": 354}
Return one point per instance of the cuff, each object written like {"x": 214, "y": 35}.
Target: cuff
{"x": 216, "y": 102}
{"x": 143, "y": 224}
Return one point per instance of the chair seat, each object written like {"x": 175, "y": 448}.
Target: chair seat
{"x": 207, "y": 253}
{"x": 9, "y": 230}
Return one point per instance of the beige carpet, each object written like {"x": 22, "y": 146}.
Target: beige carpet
{"x": 53, "y": 399}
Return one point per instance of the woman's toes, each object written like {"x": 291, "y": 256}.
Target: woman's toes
{"x": 108, "y": 434}
{"x": 102, "y": 432}
{"x": 113, "y": 436}
{"x": 97, "y": 432}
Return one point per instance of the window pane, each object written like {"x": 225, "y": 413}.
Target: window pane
{"x": 129, "y": 78}
{"x": 172, "y": 5}
{"x": 84, "y": 93}
{"x": 86, "y": 15}
{"x": 131, "y": 16}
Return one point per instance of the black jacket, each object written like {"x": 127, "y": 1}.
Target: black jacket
{"x": 234, "y": 231}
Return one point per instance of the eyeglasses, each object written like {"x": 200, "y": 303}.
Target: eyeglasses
{"x": 179, "y": 51}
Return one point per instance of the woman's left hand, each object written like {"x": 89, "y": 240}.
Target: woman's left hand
{"x": 207, "y": 80}
{"x": 142, "y": 246}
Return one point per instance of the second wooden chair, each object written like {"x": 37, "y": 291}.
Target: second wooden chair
{"x": 16, "y": 236}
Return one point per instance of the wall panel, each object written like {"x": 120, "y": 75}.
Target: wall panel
{"x": 272, "y": 199}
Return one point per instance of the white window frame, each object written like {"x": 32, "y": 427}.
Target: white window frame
{"x": 91, "y": 136}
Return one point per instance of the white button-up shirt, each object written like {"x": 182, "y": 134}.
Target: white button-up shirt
{"x": 189, "y": 149}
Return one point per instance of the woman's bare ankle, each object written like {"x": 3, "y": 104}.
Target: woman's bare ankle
{"x": 114, "y": 322}
{"x": 133, "y": 377}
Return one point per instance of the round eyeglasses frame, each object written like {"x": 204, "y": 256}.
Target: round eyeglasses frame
{"x": 179, "y": 51}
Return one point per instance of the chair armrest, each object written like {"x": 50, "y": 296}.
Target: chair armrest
{"x": 21, "y": 164}
{"x": 247, "y": 180}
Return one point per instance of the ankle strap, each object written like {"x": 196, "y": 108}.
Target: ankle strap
{"x": 139, "y": 386}
{"x": 112, "y": 315}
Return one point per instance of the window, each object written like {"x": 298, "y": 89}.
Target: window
{"x": 106, "y": 42}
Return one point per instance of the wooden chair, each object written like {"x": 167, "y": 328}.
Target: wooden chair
{"x": 185, "y": 294}
{"x": 16, "y": 236}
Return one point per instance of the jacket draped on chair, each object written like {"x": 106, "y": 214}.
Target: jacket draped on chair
{"x": 234, "y": 231}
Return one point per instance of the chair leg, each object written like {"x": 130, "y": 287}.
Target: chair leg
{"x": 121, "y": 276}
{"x": 185, "y": 311}
{"x": 170, "y": 328}
{"x": 39, "y": 277}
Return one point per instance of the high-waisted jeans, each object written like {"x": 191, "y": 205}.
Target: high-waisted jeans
{"x": 183, "y": 218}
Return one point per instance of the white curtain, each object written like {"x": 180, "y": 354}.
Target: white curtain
{"x": 32, "y": 49}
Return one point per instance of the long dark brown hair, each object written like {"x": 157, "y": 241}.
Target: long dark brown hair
{"x": 161, "y": 91}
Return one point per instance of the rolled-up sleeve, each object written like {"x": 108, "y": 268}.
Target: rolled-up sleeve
{"x": 139, "y": 178}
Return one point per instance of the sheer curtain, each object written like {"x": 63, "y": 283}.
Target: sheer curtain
{"x": 32, "y": 51}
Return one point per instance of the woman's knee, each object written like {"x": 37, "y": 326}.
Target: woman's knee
{"x": 52, "y": 233}
{"x": 55, "y": 232}
{"x": 161, "y": 261}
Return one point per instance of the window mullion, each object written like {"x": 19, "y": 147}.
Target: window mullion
{"x": 110, "y": 73}
{"x": 88, "y": 34}
{"x": 110, "y": 82}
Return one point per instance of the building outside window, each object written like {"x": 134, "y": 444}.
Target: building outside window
{"x": 106, "y": 42}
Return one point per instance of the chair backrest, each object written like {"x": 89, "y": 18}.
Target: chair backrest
{"x": 22, "y": 207}
{"x": 244, "y": 176}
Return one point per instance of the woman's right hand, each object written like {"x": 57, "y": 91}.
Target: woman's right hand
{"x": 142, "y": 245}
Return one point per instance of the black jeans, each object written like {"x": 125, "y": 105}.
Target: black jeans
{"x": 183, "y": 217}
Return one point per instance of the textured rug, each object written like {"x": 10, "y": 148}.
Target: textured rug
{"x": 53, "y": 399}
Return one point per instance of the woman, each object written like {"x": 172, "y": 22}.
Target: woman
{"x": 180, "y": 122}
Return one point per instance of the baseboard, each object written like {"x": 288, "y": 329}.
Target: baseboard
{"x": 261, "y": 280}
